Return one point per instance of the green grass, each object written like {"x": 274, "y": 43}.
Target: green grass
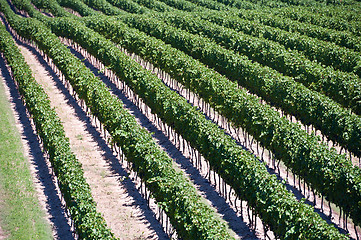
{"x": 21, "y": 216}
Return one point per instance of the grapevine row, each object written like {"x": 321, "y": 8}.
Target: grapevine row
{"x": 95, "y": 51}
{"x": 225, "y": 97}
{"x": 336, "y": 123}
{"x": 129, "y": 5}
{"x": 258, "y": 125}
{"x": 335, "y": 22}
{"x": 327, "y": 53}
{"x": 310, "y": 107}
{"x": 349, "y": 12}
{"x": 188, "y": 213}
{"x": 301, "y": 14}
{"x": 80, "y": 7}
{"x": 342, "y": 38}
{"x": 247, "y": 11}
{"x": 53, "y": 8}
{"x": 76, "y": 34}
{"x": 225, "y": 156}
{"x": 342, "y": 87}
{"x": 251, "y": 12}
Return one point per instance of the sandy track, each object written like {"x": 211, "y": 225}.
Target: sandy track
{"x": 123, "y": 209}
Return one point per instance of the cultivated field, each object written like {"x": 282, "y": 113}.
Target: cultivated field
{"x": 180, "y": 119}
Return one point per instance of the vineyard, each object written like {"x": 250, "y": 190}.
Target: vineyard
{"x": 220, "y": 119}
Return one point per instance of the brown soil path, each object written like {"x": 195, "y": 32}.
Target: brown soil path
{"x": 126, "y": 219}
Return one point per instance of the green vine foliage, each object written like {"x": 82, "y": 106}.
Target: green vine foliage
{"x": 187, "y": 211}
{"x": 332, "y": 23}
{"x": 285, "y": 139}
{"x": 327, "y": 53}
{"x": 310, "y": 107}
{"x": 276, "y": 206}
{"x": 133, "y": 40}
{"x": 342, "y": 87}
{"x": 237, "y": 167}
{"x": 338, "y": 124}
{"x": 81, "y": 7}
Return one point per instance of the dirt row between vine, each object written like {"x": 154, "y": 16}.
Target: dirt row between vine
{"x": 2, "y": 234}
